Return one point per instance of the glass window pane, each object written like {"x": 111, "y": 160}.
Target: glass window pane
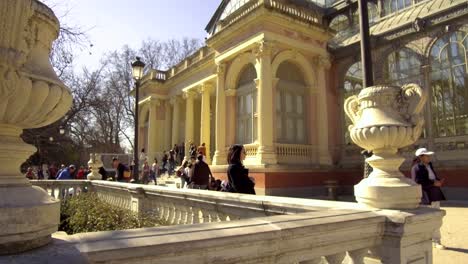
{"x": 289, "y": 103}
{"x": 299, "y": 106}
{"x": 300, "y": 130}
{"x": 290, "y": 131}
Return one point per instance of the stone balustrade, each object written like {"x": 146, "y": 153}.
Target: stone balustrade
{"x": 217, "y": 227}
{"x": 294, "y": 153}
{"x": 62, "y": 189}
{"x": 186, "y": 206}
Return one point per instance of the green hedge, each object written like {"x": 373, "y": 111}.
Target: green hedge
{"x": 86, "y": 213}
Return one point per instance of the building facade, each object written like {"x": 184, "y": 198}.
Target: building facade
{"x": 274, "y": 74}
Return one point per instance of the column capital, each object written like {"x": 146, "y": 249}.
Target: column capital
{"x": 174, "y": 100}
{"x": 230, "y": 92}
{"x": 189, "y": 94}
{"x": 206, "y": 87}
{"x": 154, "y": 101}
{"x": 322, "y": 61}
{"x": 220, "y": 68}
{"x": 275, "y": 82}
{"x": 263, "y": 48}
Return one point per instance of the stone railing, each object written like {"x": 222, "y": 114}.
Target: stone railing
{"x": 217, "y": 227}
{"x": 293, "y": 153}
{"x": 251, "y": 149}
{"x": 303, "y": 238}
{"x": 62, "y": 189}
{"x": 187, "y": 206}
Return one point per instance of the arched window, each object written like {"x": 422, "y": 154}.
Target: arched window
{"x": 352, "y": 86}
{"x": 339, "y": 23}
{"x": 246, "y": 106}
{"x": 449, "y": 83}
{"x": 290, "y": 105}
{"x": 403, "y": 66}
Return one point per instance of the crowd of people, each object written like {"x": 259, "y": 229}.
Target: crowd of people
{"x": 193, "y": 171}
{"x": 53, "y": 172}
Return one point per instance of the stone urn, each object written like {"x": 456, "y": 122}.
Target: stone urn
{"x": 94, "y": 163}
{"x": 386, "y": 118}
{"x": 31, "y": 96}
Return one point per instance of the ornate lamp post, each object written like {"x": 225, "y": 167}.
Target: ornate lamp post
{"x": 137, "y": 72}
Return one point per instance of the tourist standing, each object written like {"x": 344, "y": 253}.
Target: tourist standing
{"x": 30, "y": 174}
{"x": 154, "y": 173}
{"x": 171, "y": 161}
{"x": 120, "y": 169}
{"x": 183, "y": 174}
{"x": 67, "y": 173}
{"x": 425, "y": 175}
{"x": 202, "y": 150}
{"x": 200, "y": 177}
{"x": 80, "y": 175}
{"x": 238, "y": 175}
{"x": 146, "y": 172}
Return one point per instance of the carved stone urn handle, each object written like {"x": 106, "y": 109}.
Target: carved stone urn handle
{"x": 351, "y": 107}
{"x": 415, "y": 97}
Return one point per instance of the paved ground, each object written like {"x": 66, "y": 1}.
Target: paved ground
{"x": 454, "y": 234}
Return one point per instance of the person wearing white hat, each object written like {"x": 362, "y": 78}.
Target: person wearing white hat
{"x": 423, "y": 173}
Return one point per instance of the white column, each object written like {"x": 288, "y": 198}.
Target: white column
{"x": 322, "y": 64}
{"x": 189, "y": 98}
{"x": 266, "y": 151}
{"x": 167, "y": 126}
{"x": 175, "y": 119}
{"x": 205, "y": 118}
{"x": 152, "y": 130}
{"x": 220, "y": 153}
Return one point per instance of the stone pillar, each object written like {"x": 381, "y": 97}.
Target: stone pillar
{"x": 205, "y": 118}
{"x": 32, "y": 96}
{"x": 322, "y": 64}
{"x": 231, "y": 117}
{"x": 220, "y": 153}
{"x": 189, "y": 97}
{"x": 167, "y": 126}
{"x": 407, "y": 236}
{"x": 266, "y": 151}
{"x": 152, "y": 131}
{"x": 175, "y": 120}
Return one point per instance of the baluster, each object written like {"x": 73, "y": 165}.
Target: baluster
{"x": 173, "y": 215}
{"x": 357, "y": 256}
{"x": 52, "y": 192}
{"x": 183, "y": 214}
{"x": 335, "y": 258}
{"x": 167, "y": 212}
{"x": 222, "y": 217}
{"x": 196, "y": 215}
{"x": 206, "y": 216}
{"x": 317, "y": 260}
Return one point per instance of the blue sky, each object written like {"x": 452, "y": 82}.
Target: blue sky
{"x": 114, "y": 23}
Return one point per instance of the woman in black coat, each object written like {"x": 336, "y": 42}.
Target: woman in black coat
{"x": 238, "y": 175}
{"x": 425, "y": 175}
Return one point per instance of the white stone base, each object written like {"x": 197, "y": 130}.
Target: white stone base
{"x": 28, "y": 217}
{"x": 388, "y": 193}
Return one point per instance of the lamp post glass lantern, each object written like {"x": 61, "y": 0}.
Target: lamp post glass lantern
{"x": 137, "y": 73}
{"x": 61, "y": 130}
